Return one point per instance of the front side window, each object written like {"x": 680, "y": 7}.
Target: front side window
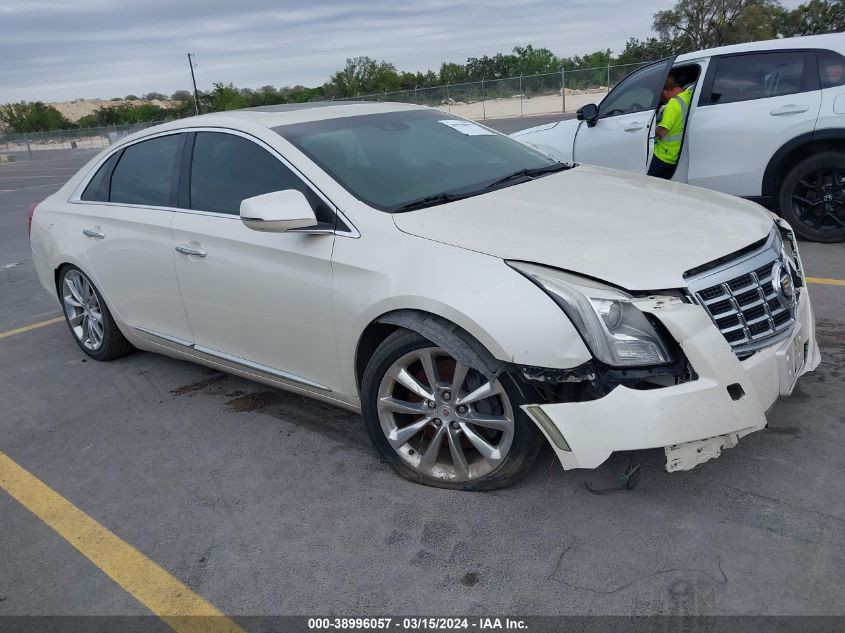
{"x": 392, "y": 158}
{"x": 227, "y": 169}
{"x": 758, "y": 76}
{"x": 638, "y": 92}
{"x": 147, "y": 173}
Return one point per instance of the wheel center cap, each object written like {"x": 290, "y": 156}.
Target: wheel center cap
{"x": 445, "y": 411}
{"x": 828, "y": 197}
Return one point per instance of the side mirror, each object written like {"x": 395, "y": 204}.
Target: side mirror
{"x": 588, "y": 113}
{"x": 278, "y": 211}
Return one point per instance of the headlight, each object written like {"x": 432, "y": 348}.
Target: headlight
{"x": 615, "y": 330}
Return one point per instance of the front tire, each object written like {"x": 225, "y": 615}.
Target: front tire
{"x": 812, "y": 197}
{"x": 88, "y": 317}
{"x": 442, "y": 423}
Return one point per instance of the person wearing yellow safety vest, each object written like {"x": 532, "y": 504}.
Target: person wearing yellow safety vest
{"x": 670, "y": 129}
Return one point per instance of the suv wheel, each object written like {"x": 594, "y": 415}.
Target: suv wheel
{"x": 88, "y": 318}
{"x": 812, "y": 197}
{"x": 442, "y": 423}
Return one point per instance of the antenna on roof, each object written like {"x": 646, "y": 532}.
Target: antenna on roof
{"x": 194, "y": 80}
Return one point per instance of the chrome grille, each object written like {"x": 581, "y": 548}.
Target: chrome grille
{"x": 743, "y": 298}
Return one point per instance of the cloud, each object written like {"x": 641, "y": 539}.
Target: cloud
{"x": 55, "y": 50}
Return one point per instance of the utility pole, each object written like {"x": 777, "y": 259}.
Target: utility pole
{"x": 194, "y": 80}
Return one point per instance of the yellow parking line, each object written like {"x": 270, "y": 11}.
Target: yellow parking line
{"x": 152, "y": 586}
{"x": 825, "y": 281}
{"x": 32, "y": 326}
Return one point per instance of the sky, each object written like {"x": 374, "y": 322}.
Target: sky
{"x": 55, "y": 50}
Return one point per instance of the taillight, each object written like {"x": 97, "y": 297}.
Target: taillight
{"x": 29, "y": 221}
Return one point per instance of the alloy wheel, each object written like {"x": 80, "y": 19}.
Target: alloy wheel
{"x": 83, "y": 311}
{"x": 443, "y": 418}
{"x": 818, "y": 199}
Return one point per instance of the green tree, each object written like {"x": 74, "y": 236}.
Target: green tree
{"x": 225, "y": 97}
{"x": 363, "y": 75}
{"x": 123, "y": 114}
{"x": 698, "y": 24}
{"x": 528, "y": 60}
{"x": 32, "y": 117}
{"x": 813, "y": 18}
{"x": 451, "y": 73}
{"x": 637, "y": 51}
{"x": 182, "y": 95}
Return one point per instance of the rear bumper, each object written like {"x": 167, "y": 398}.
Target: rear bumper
{"x": 693, "y": 421}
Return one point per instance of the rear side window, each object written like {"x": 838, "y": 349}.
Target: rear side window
{"x": 98, "y": 186}
{"x": 831, "y": 69}
{"x": 759, "y": 76}
{"x": 227, "y": 169}
{"x": 147, "y": 172}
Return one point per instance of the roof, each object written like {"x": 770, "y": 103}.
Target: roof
{"x": 285, "y": 114}
{"x": 832, "y": 41}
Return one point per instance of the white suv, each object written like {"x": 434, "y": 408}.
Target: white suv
{"x": 767, "y": 123}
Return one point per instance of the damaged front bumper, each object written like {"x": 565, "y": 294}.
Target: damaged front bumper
{"x": 693, "y": 420}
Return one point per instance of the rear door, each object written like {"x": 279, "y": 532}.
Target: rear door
{"x": 128, "y": 210}
{"x": 619, "y": 138}
{"x": 751, "y": 104}
{"x": 832, "y": 78}
{"x": 258, "y": 299}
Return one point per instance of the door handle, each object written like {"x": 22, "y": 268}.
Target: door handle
{"x": 790, "y": 109}
{"x": 187, "y": 250}
{"x": 634, "y": 127}
{"x": 93, "y": 233}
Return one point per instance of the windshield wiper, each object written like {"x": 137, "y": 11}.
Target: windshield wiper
{"x": 529, "y": 173}
{"x": 443, "y": 198}
{"x": 430, "y": 201}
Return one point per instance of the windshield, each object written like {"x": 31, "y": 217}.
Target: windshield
{"x": 391, "y": 159}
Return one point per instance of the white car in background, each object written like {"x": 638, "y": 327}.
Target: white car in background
{"x": 467, "y": 294}
{"x": 766, "y": 122}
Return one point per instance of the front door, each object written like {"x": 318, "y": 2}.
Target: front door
{"x": 620, "y": 136}
{"x": 260, "y": 299}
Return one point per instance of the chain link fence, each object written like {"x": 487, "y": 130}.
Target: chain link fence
{"x": 549, "y": 93}
{"x": 22, "y": 146}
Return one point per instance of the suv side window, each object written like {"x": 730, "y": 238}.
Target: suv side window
{"x": 760, "y": 76}
{"x": 147, "y": 172}
{"x": 831, "y": 68}
{"x": 227, "y": 169}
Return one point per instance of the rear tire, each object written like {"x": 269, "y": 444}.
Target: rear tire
{"x": 812, "y": 197}
{"x": 462, "y": 432}
{"x": 88, "y": 318}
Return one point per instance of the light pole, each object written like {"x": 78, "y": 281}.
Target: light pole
{"x": 194, "y": 81}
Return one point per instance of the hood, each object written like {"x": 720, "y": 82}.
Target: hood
{"x": 636, "y": 232}
{"x": 555, "y": 139}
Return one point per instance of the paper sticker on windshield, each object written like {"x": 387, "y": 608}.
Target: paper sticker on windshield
{"x": 467, "y": 127}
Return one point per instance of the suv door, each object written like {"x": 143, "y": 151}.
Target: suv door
{"x": 832, "y": 78}
{"x": 750, "y": 105}
{"x": 619, "y": 138}
{"x": 128, "y": 207}
{"x": 262, "y": 300}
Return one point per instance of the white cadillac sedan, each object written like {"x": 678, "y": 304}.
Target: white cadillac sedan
{"x": 470, "y": 296}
